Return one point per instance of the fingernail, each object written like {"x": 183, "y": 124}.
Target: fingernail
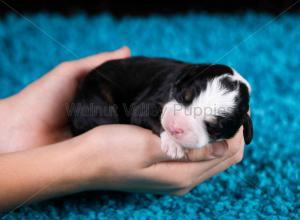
{"x": 125, "y": 51}
{"x": 123, "y": 48}
{"x": 219, "y": 149}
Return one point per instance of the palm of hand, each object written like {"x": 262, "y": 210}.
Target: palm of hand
{"x": 38, "y": 114}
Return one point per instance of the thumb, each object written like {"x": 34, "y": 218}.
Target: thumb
{"x": 79, "y": 68}
{"x": 208, "y": 152}
{"x": 88, "y": 63}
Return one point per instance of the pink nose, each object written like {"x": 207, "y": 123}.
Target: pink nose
{"x": 175, "y": 131}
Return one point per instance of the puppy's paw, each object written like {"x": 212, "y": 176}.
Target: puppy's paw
{"x": 170, "y": 147}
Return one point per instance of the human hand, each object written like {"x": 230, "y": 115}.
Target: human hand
{"x": 109, "y": 157}
{"x": 37, "y": 115}
{"x": 96, "y": 160}
{"x": 133, "y": 161}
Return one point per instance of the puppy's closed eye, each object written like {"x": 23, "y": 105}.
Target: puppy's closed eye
{"x": 188, "y": 95}
{"x": 185, "y": 96}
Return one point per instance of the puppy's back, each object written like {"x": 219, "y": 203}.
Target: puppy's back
{"x": 115, "y": 85}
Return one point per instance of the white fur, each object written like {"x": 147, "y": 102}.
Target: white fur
{"x": 170, "y": 147}
{"x": 215, "y": 100}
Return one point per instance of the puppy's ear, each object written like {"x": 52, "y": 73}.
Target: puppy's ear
{"x": 248, "y": 129}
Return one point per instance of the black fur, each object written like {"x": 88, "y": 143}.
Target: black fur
{"x": 134, "y": 91}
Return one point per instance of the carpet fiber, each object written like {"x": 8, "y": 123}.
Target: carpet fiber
{"x": 264, "y": 185}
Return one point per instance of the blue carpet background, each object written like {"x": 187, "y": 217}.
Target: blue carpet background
{"x": 266, "y": 184}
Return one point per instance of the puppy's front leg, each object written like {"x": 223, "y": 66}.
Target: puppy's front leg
{"x": 170, "y": 147}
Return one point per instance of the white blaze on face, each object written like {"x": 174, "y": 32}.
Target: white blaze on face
{"x": 186, "y": 125}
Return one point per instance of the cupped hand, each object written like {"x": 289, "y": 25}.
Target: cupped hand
{"x": 129, "y": 158}
{"x": 109, "y": 157}
{"x": 38, "y": 114}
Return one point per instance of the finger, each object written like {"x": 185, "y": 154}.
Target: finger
{"x": 192, "y": 168}
{"x": 88, "y": 63}
{"x": 180, "y": 177}
{"x": 214, "y": 170}
{"x": 220, "y": 167}
{"x": 81, "y": 67}
{"x": 235, "y": 145}
{"x": 210, "y": 151}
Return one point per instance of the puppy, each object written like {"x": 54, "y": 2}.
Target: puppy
{"x": 187, "y": 105}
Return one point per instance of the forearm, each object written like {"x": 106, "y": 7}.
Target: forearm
{"x": 8, "y": 126}
{"x": 41, "y": 173}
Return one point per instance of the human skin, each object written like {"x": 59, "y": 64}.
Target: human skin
{"x": 39, "y": 158}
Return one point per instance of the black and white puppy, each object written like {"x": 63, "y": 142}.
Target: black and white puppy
{"x": 187, "y": 105}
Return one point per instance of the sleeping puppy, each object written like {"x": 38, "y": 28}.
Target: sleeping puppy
{"x": 187, "y": 105}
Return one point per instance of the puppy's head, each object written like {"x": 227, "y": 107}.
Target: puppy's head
{"x": 207, "y": 103}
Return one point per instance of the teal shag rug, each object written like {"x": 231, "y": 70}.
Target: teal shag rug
{"x": 265, "y": 185}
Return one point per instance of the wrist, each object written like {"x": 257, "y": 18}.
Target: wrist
{"x": 94, "y": 171}
{"x": 75, "y": 173}
{"x": 7, "y": 125}
{"x": 40, "y": 173}
{"x": 84, "y": 168}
